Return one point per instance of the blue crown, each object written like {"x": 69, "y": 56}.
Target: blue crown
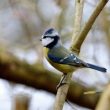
{"x": 49, "y": 31}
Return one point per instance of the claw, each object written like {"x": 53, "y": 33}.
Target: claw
{"x": 61, "y": 83}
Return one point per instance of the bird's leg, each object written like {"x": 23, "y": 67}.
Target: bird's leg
{"x": 62, "y": 81}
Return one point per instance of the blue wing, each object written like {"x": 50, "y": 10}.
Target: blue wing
{"x": 54, "y": 58}
{"x": 70, "y": 59}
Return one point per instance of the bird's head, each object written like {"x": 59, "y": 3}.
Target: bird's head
{"x": 50, "y": 38}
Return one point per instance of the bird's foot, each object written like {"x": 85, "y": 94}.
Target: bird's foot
{"x": 59, "y": 85}
{"x": 62, "y": 81}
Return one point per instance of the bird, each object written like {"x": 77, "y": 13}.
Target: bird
{"x": 61, "y": 58}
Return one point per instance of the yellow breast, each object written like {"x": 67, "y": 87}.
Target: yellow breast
{"x": 61, "y": 67}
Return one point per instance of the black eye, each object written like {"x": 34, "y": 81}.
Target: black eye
{"x": 44, "y": 37}
{"x": 47, "y": 37}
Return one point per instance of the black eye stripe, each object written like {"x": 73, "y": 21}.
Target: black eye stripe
{"x": 50, "y": 37}
{"x": 47, "y": 37}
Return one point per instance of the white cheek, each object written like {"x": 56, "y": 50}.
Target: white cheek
{"x": 47, "y": 41}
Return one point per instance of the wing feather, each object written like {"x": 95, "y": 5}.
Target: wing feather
{"x": 65, "y": 57}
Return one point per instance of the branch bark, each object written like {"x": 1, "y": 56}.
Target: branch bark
{"x": 77, "y": 23}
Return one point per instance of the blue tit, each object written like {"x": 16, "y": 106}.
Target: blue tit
{"x": 61, "y": 58}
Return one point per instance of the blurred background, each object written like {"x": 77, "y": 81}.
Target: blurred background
{"x": 22, "y": 23}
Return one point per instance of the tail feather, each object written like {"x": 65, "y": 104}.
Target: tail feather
{"x": 102, "y": 69}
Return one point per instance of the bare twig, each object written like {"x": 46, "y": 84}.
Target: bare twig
{"x": 77, "y": 21}
{"x": 79, "y": 39}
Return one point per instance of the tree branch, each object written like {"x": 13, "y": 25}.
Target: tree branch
{"x": 77, "y": 22}
{"x": 78, "y": 40}
{"x": 62, "y": 91}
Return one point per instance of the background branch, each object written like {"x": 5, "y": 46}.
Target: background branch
{"x": 104, "y": 103}
{"x": 21, "y": 72}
